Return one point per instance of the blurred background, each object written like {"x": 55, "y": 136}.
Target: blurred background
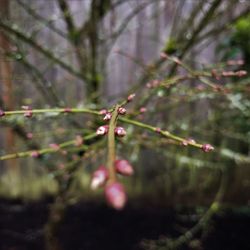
{"x": 93, "y": 53}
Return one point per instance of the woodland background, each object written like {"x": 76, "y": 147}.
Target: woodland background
{"x": 93, "y": 53}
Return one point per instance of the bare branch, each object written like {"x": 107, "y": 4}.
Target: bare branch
{"x": 47, "y": 53}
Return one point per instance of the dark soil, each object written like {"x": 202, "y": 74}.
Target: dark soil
{"x": 94, "y": 226}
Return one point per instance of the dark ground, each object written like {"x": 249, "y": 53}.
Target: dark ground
{"x": 92, "y": 226}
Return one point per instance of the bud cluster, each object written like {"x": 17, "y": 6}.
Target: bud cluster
{"x": 114, "y": 191}
{"x": 119, "y": 131}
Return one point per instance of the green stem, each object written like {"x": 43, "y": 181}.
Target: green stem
{"x": 111, "y": 145}
{"x": 56, "y": 110}
{"x": 164, "y": 133}
{"x": 45, "y": 150}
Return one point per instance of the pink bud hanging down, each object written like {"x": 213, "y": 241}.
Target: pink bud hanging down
{"x": 120, "y": 131}
{"x": 207, "y": 148}
{"x": 122, "y": 110}
{"x": 102, "y": 130}
{"x": 99, "y": 178}
{"x": 107, "y": 117}
{"x": 115, "y": 195}
{"x": 123, "y": 167}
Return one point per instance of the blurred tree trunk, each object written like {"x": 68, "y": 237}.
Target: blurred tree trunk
{"x": 5, "y": 77}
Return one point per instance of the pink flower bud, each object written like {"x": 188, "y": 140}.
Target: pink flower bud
{"x": 191, "y": 141}
{"x": 115, "y": 195}
{"x": 122, "y": 111}
{"x": 184, "y": 142}
{"x": 103, "y": 112}
{"x": 29, "y": 135}
{"x": 99, "y": 178}
{"x": 143, "y": 110}
{"x": 35, "y": 154}
{"x": 107, "y": 117}
{"x": 67, "y": 110}
{"x": 158, "y": 130}
{"x": 131, "y": 97}
{"x": 188, "y": 141}
{"x": 2, "y": 113}
{"x": 123, "y": 167}
{"x": 28, "y": 113}
{"x": 54, "y": 146}
{"x": 207, "y": 148}
{"x": 120, "y": 131}
{"x": 102, "y": 130}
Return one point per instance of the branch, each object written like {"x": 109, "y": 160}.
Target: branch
{"x": 47, "y": 53}
{"x": 63, "y": 5}
{"x": 37, "y": 153}
{"x": 44, "y": 21}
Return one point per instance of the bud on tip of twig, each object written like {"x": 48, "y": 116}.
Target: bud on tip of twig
{"x": 115, "y": 195}
{"x": 207, "y": 148}
{"x": 131, "y": 97}
{"x": 122, "y": 110}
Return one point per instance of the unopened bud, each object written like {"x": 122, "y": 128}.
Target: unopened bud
{"x": 143, "y": 110}
{"x": 115, "y": 195}
{"x": 122, "y": 111}
{"x": 123, "y": 167}
{"x": 158, "y": 130}
{"x": 120, "y": 131}
{"x": 102, "y": 130}
{"x": 99, "y": 178}
{"x": 107, "y": 116}
{"x": 28, "y": 113}
{"x": 54, "y": 146}
{"x": 67, "y": 110}
{"x": 207, "y": 148}
{"x": 131, "y": 97}
{"x": 103, "y": 112}
{"x": 35, "y": 154}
